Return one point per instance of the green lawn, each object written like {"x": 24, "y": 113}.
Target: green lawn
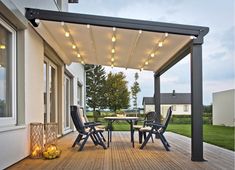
{"x": 218, "y": 135}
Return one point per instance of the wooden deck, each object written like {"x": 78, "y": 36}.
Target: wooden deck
{"x": 120, "y": 155}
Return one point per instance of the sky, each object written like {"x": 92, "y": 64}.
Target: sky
{"x": 218, "y": 47}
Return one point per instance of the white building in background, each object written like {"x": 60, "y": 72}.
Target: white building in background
{"x": 223, "y": 108}
{"x": 180, "y": 102}
{"x": 38, "y": 82}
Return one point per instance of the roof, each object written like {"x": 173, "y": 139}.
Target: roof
{"x": 110, "y": 41}
{"x": 168, "y": 98}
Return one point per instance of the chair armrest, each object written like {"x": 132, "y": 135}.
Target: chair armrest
{"x": 93, "y": 123}
{"x": 155, "y": 124}
{"x": 148, "y": 122}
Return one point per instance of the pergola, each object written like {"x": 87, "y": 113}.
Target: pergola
{"x": 129, "y": 43}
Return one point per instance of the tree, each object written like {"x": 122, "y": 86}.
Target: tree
{"x": 135, "y": 89}
{"x": 95, "y": 81}
{"x": 117, "y": 94}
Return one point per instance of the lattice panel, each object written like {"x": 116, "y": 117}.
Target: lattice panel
{"x": 51, "y": 130}
{"x": 36, "y": 139}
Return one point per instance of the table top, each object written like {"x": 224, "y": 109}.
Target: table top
{"x": 121, "y": 118}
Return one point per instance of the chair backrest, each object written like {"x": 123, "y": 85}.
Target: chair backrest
{"x": 167, "y": 119}
{"x": 83, "y": 115}
{"x": 150, "y": 116}
{"x": 75, "y": 114}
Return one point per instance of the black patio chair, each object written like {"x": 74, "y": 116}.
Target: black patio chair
{"x": 157, "y": 129}
{"x": 99, "y": 126}
{"x": 85, "y": 130}
{"x": 149, "y": 118}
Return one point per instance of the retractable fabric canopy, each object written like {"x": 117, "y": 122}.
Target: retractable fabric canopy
{"x": 115, "y": 42}
{"x": 129, "y": 43}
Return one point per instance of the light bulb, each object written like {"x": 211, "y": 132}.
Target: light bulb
{"x": 166, "y": 34}
{"x": 146, "y": 63}
{"x": 152, "y": 55}
{"x": 112, "y": 65}
{"x": 112, "y": 59}
{"x": 2, "y": 46}
{"x": 113, "y": 39}
{"x": 62, "y": 23}
{"x": 82, "y": 62}
{"x": 113, "y": 50}
{"x": 140, "y": 31}
{"x": 114, "y": 29}
{"x": 66, "y": 34}
{"x": 78, "y": 55}
{"x": 88, "y": 26}
{"x": 74, "y": 46}
{"x": 160, "y": 44}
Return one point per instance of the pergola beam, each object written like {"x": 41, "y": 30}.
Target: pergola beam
{"x": 33, "y": 14}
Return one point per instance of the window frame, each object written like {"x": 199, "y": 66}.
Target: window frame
{"x": 186, "y": 108}
{"x": 6, "y": 121}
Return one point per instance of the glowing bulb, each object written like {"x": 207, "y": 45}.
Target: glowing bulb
{"x": 160, "y": 44}
{"x": 140, "y": 31}
{"x": 112, "y": 59}
{"x": 62, "y": 23}
{"x": 113, "y": 50}
{"x": 78, "y": 55}
{"x": 112, "y": 65}
{"x": 146, "y": 63}
{"x": 74, "y": 46}
{"x": 114, "y": 29}
{"x": 82, "y": 62}
{"x": 66, "y": 34}
{"x": 2, "y": 46}
{"x": 113, "y": 39}
{"x": 88, "y": 26}
{"x": 152, "y": 55}
{"x": 166, "y": 34}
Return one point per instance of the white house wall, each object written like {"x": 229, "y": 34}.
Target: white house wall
{"x": 15, "y": 140}
{"x": 223, "y": 108}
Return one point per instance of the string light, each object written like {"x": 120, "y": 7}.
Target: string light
{"x": 146, "y": 63}
{"x": 114, "y": 29}
{"x": 2, "y": 46}
{"x": 160, "y": 44}
{"x": 113, "y": 39}
{"x": 62, "y": 23}
{"x": 73, "y": 46}
{"x": 113, "y": 50}
{"x": 152, "y": 55}
{"x": 66, "y": 34}
{"x": 166, "y": 34}
{"x": 88, "y": 26}
{"x": 112, "y": 59}
{"x": 78, "y": 55}
{"x": 140, "y": 31}
{"x": 112, "y": 65}
{"x": 82, "y": 62}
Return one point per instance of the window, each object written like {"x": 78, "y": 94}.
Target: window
{"x": 79, "y": 93}
{"x": 7, "y": 74}
{"x": 67, "y": 102}
{"x": 50, "y": 91}
{"x": 174, "y": 107}
{"x": 185, "y": 108}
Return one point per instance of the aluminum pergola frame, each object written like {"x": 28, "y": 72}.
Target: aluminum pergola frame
{"x": 194, "y": 48}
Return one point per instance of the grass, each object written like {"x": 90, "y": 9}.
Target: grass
{"x": 217, "y": 135}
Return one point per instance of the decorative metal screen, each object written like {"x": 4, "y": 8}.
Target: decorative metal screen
{"x": 36, "y": 140}
{"x": 51, "y": 130}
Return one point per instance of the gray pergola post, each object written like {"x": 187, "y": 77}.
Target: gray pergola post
{"x": 157, "y": 96}
{"x": 196, "y": 102}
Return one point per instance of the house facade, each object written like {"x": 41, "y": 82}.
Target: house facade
{"x": 38, "y": 82}
{"x": 223, "y": 108}
{"x": 180, "y": 102}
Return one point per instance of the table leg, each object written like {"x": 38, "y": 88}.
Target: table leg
{"x": 132, "y": 134}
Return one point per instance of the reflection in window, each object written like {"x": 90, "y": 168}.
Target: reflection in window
{"x": 5, "y": 57}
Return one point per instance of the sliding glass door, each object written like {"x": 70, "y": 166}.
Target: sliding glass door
{"x": 67, "y": 102}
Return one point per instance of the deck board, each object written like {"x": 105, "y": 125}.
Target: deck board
{"x": 120, "y": 155}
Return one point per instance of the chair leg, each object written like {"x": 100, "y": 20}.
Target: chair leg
{"x": 146, "y": 140}
{"x": 100, "y": 140}
{"x": 152, "y": 138}
{"x": 78, "y": 139}
{"x": 102, "y": 136}
{"x": 140, "y": 137}
{"x": 83, "y": 143}
{"x": 94, "y": 139}
{"x": 163, "y": 142}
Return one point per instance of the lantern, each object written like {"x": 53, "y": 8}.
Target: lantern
{"x": 36, "y": 140}
{"x": 51, "y": 130}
